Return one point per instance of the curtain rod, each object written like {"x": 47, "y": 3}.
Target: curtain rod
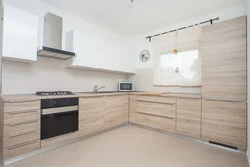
{"x": 211, "y": 22}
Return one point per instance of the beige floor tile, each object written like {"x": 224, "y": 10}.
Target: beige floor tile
{"x": 132, "y": 146}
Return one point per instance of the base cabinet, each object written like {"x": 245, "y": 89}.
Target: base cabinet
{"x": 224, "y": 122}
{"x": 91, "y": 115}
{"x": 189, "y": 117}
{"x": 116, "y": 111}
{"x": 132, "y": 108}
{"x": 156, "y": 112}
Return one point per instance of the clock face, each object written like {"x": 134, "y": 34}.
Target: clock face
{"x": 144, "y": 55}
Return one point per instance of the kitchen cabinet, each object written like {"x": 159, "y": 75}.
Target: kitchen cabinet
{"x": 156, "y": 112}
{"x": 91, "y": 115}
{"x": 223, "y": 56}
{"x": 97, "y": 53}
{"x": 132, "y": 108}
{"x": 189, "y": 117}
{"x": 20, "y": 127}
{"x": 224, "y": 122}
{"x": 116, "y": 111}
{"x": 20, "y": 35}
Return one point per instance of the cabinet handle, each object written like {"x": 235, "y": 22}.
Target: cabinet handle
{"x": 20, "y": 134}
{"x": 226, "y": 100}
{"x": 155, "y": 102}
{"x": 21, "y": 145}
{"x": 21, "y": 112}
{"x": 156, "y": 115}
{"x": 20, "y": 123}
{"x": 21, "y": 101}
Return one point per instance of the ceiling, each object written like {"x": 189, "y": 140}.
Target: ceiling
{"x": 120, "y": 17}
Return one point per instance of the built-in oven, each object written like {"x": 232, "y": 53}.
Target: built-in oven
{"x": 58, "y": 117}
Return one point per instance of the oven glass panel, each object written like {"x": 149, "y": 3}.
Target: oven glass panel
{"x": 126, "y": 86}
{"x": 58, "y": 124}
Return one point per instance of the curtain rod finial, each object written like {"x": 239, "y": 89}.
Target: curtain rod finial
{"x": 217, "y": 18}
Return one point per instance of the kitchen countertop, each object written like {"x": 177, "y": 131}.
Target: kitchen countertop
{"x": 31, "y": 97}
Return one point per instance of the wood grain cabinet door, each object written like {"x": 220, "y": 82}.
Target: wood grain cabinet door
{"x": 116, "y": 111}
{"x": 224, "y": 122}
{"x": 223, "y": 57}
{"x": 132, "y": 108}
{"x": 91, "y": 115}
{"x": 189, "y": 117}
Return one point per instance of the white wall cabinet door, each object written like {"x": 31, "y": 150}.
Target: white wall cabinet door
{"x": 20, "y": 35}
{"x": 98, "y": 53}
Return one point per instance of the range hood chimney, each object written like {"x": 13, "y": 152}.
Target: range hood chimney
{"x": 52, "y": 39}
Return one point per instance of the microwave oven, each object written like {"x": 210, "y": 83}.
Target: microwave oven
{"x": 125, "y": 86}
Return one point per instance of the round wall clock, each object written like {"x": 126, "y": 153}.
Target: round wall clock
{"x": 144, "y": 55}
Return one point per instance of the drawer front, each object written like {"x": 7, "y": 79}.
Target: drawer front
{"x": 91, "y": 125}
{"x": 157, "y": 109}
{"x": 224, "y": 122}
{"x": 12, "y": 117}
{"x": 189, "y": 117}
{"x": 22, "y": 137}
{"x": 20, "y": 149}
{"x": 91, "y": 107}
{"x": 156, "y": 99}
{"x": 161, "y": 123}
{"x": 115, "y": 119}
{"x": 21, "y": 106}
{"x": 13, "y": 128}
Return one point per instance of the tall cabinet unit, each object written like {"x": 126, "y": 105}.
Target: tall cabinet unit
{"x": 20, "y": 35}
{"x": 223, "y": 55}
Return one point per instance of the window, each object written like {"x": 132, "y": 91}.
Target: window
{"x": 182, "y": 69}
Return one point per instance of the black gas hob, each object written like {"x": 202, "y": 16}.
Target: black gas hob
{"x": 50, "y": 93}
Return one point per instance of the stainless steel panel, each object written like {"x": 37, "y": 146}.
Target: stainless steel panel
{"x": 59, "y": 110}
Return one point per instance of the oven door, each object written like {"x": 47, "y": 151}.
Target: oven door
{"x": 55, "y": 123}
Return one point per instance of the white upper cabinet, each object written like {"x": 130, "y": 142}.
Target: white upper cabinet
{"x": 20, "y": 35}
{"x": 98, "y": 53}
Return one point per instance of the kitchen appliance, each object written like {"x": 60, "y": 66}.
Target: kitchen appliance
{"x": 52, "y": 38}
{"x": 125, "y": 86}
{"x": 58, "y": 117}
{"x": 50, "y": 93}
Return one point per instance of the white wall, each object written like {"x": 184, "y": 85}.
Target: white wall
{"x": 144, "y": 70}
{"x": 50, "y": 74}
{"x": 247, "y": 5}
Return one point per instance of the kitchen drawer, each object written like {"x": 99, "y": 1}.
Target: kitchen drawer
{"x": 115, "y": 118}
{"x": 121, "y": 108}
{"x": 22, "y": 137}
{"x": 162, "y": 123}
{"x": 224, "y": 122}
{"x": 12, "y": 128}
{"x": 19, "y": 149}
{"x": 189, "y": 117}
{"x": 157, "y": 109}
{"x": 20, "y": 116}
{"x": 156, "y": 99}
{"x": 21, "y": 106}
{"x": 91, "y": 125}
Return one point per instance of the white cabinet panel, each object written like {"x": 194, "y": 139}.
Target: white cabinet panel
{"x": 98, "y": 53}
{"x": 20, "y": 35}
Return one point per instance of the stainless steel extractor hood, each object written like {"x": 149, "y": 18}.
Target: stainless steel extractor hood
{"x": 52, "y": 39}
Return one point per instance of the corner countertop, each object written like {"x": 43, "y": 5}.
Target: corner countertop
{"x": 31, "y": 97}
